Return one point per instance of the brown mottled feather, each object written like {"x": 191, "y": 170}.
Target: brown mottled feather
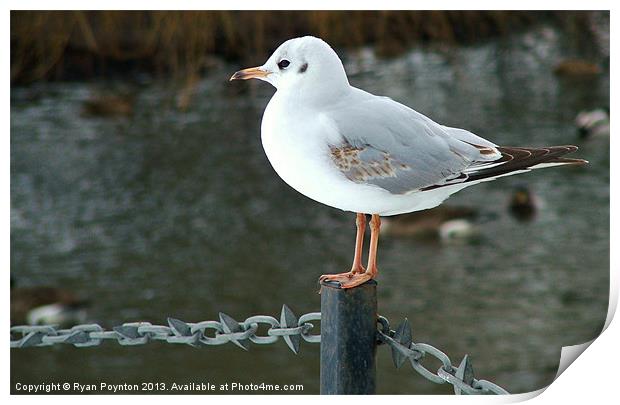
{"x": 347, "y": 159}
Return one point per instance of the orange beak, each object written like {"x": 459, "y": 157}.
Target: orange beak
{"x": 249, "y": 73}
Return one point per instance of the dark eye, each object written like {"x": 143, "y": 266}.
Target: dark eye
{"x": 283, "y": 64}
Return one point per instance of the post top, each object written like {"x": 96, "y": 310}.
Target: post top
{"x": 336, "y": 285}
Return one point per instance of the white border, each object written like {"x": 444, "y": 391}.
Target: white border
{"x": 591, "y": 376}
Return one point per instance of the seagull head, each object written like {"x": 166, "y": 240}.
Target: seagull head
{"x": 307, "y": 66}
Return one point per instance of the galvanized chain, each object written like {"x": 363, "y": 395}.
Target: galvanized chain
{"x": 291, "y": 329}
{"x": 403, "y": 348}
{"x": 207, "y": 333}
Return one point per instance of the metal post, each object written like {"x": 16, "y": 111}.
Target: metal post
{"x": 348, "y": 339}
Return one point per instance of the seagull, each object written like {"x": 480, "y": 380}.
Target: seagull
{"x": 352, "y": 150}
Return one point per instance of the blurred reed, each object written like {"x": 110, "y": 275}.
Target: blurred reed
{"x": 86, "y": 44}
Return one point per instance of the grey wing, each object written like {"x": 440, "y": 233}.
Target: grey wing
{"x": 389, "y": 145}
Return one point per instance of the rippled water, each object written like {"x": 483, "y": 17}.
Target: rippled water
{"x": 179, "y": 214}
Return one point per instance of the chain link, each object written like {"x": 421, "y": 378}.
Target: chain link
{"x": 228, "y": 330}
{"x": 205, "y": 333}
{"x": 403, "y": 348}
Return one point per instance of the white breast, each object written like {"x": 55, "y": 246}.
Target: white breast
{"x": 298, "y": 150}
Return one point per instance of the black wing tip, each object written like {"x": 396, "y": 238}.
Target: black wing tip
{"x": 567, "y": 148}
{"x": 516, "y": 158}
{"x": 570, "y": 148}
{"x": 553, "y": 151}
{"x": 570, "y": 161}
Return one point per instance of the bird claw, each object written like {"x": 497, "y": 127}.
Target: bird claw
{"x": 346, "y": 280}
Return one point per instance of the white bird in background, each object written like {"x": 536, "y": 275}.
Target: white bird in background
{"x": 358, "y": 152}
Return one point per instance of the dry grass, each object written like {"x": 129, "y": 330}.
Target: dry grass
{"x": 54, "y": 44}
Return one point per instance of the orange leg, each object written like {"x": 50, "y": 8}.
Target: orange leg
{"x": 356, "y": 268}
{"x": 358, "y": 275}
{"x": 375, "y": 225}
{"x": 360, "y": 222}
